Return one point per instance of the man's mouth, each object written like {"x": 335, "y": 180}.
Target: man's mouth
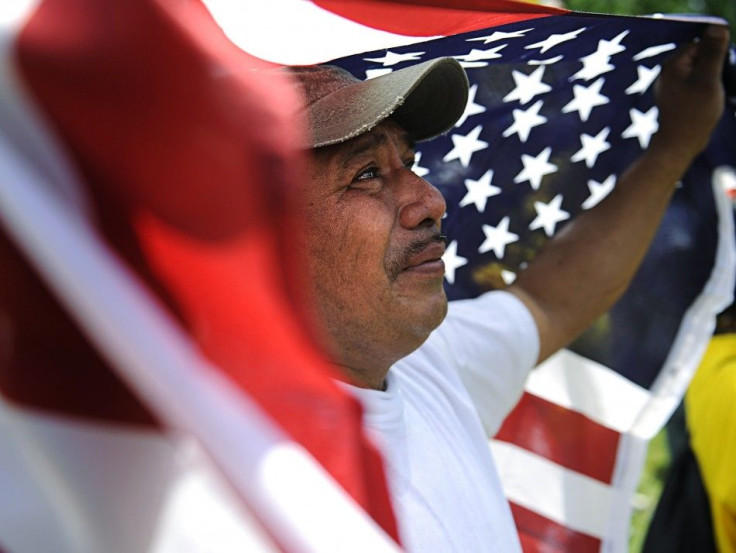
{"x": 431, "y": 255}
{"x": 424, "y": 258}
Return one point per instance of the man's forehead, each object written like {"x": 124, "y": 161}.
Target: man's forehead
{"x": 379, "y": 135}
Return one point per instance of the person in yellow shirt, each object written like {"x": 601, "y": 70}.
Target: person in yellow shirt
{"x": 697, "y": 510}
{"x": 710, "y": 410}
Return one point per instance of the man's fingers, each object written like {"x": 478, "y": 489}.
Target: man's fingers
{"x": 711, "y": 53}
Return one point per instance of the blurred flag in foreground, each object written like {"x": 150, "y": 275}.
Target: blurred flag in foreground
{"x": 159, "y": 388}
{"x": 560, "y": 103}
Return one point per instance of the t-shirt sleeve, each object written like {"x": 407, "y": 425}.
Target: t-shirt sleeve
{"x": 492, "y": 343}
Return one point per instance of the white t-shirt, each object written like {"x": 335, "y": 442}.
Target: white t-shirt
{"x": 429, "y": 425}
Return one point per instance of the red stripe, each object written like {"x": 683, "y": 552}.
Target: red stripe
{"x": 563, "y": 436}
{"x": 47, "y": 362}
{"x": 435, "y": 17}
{"x": 542, "y": 535}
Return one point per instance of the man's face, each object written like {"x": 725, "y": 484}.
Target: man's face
{"x": 374, "y": 249}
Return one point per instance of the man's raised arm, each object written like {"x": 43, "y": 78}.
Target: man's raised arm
{"x": 583, "y": 270}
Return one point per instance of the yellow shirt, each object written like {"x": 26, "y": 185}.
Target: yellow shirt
{"x": 710, "y": 405}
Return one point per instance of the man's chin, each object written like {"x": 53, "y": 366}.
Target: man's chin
{"x": 431, "y": 315}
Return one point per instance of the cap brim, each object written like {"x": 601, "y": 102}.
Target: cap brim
{"x": 426, "y": 99}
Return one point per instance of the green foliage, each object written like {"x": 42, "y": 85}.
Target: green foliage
{"x": 650, "y": 489}
{"x": 721, "y": 8}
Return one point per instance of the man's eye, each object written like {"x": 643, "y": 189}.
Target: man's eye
{"x": 366, "y": 174}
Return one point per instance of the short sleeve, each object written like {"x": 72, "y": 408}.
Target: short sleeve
{"x": 492, "y": 343}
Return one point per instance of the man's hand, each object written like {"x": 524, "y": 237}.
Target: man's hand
{"x": 690, "y": 98}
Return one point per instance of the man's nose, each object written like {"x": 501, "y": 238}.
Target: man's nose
{"x": 419, "y": 201}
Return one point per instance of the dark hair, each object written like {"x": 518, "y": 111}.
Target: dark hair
{"x": 726, "y": 320}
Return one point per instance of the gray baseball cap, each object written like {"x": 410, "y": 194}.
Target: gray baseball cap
{"x": 426, "y": 99}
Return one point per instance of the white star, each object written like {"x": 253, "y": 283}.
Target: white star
{"x": 479, "y": 191}
{"x": 548, "y": 61}
{"x": 500, "y": 35}
{"x": 497, "y": 238}
{"x": 418, "y": 169}
{"x": 548, "y": 215}
{"x": 481, "y": 55}
{"x": 643, "y": 125}
{"x": 553, "y": 40}
{"x": 452, "y": 261}
{"x": 586, "y": 98}
{"x": 598, "y": 62}
{"x": 593, "y": 65}
{"x": 471, "y": 108}
{"x": 373, "y": 73}
{"x": 598, "y": 191}
{"x": 508, "y": 276}
{"x": 593, "y": 146}
{"x": 535, "y": 168}
{"x": 525, "y": 121}
{"x": 392, "y": 58}
{"x": 654, "y": 51}
{"x": 527, "y": 86}
{"x": 613, "y": 46}
{"x": 464, "y": 146}
{"x": 645, "y": 77}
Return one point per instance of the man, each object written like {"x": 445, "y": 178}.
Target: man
{"x": 374, "y": 242}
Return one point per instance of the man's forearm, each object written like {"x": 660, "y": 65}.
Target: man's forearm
{"x": 585, "y": 268}
{"x": 590, "y": 263}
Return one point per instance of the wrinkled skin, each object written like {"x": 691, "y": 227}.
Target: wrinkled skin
{"x": 374, "y": 248}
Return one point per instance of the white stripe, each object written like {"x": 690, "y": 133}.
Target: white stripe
{"x": 699, "y": 321}
{"x": 20, "y": 118}
{"x": 630, "y": 459}
{"x": 601, "y": 394}
{"x": 564, "y": 496}
{"x": 202, "y": 515}
{"x": 13, "y": 16}
{"x": 296, "y": 32}
{"x": 85, "y": 487}
{"x": 688, "y": 18}
{"x": 28, "y": 517}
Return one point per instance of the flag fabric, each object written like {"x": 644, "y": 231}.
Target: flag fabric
{"x": 560, "y": 103}
{"x": 159, "y": 386}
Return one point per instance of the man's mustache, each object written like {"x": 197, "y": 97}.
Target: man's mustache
{"x": 398, "y": 261}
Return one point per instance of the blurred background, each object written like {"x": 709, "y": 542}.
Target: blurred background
{"x": 721, "y": 8}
